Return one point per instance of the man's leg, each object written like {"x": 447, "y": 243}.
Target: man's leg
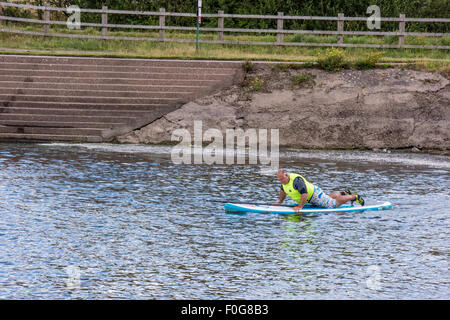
{"x": 321, "y": 199}
{"x": 334, "y": 195}
{"x": 340, "y": 199}
{"x": 332, "y": 200}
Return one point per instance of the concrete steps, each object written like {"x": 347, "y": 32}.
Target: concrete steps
{"x": 110, "y": 68}
{"x": 25, "y": 79}
{"x": 55, "y": 131}
{"x": 28, "y": 123}
{"x": 86, "y": 93}
{"x": 84, "y": 99}
{"x": 101, "y": 87}
{"x": 5, "y": 105}
{"x": 48, "y": 137}
{"x": 50, "y": 98}
{"x": 89, "y": 112}
{"x": 112, "y": 74}
{"x": 212, "y": 64}
{"x": 64, "y": 118}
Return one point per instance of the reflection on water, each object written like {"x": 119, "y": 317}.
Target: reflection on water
{"x": 98, "y": 221}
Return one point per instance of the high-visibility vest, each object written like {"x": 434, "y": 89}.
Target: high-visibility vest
{"x": 292, "y": 192}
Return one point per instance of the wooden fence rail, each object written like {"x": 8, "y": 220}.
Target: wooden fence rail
{"x": 220, "y": 30}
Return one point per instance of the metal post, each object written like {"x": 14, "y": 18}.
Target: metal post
{"x": 162, "y": 23}
{"x": 401, "y": 29}
{"x": 340, "y": 26}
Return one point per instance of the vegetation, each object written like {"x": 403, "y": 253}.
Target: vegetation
{"x": 289, "y": 66}
{"x": 351, "y": 8}
{"x": 247, "y": 66}
{"x": 369, "y": 60}
{"x": 256, "y": 84}
{"x": 336, "y": 59}
{"x": 302, "y": 78}
{"x": 332, "y": 60}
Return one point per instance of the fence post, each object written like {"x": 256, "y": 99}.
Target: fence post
{"x": 401, "y": 29}
{"x": 220, "y": 25}
{"x": 162, "y": 24}
{"x": 280, "y": 27}
{"x": 46, "y": 19}
{"x": 340, "y": 28}
{"x": 104, "y": 21}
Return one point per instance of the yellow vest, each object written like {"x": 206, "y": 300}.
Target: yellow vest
{"x": 293, "y": 193}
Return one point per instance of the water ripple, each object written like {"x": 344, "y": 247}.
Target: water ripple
{"x": 105, "y": 221}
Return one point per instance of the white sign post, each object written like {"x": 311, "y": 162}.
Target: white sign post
{"x": 199, "y": 20}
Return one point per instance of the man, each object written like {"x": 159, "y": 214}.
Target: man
{"x": 302, "y": 191}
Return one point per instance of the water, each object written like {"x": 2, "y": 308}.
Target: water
{"x": 104, "y": 221}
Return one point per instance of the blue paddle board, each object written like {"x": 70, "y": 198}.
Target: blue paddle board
{"x": 260, "y": 208}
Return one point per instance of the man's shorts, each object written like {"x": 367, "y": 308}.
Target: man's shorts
{"x": 320, "y": 199}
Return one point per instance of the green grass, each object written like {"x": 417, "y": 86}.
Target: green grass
{"x": 302, "y": 78}
{"x": 256, "y": 84}
{"x": 435, "y": 59}
{"x": 247, "y": 66}
{"x": 333, "y": 60}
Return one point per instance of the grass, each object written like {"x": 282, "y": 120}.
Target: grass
{"x": 247, "y": 66}
{"x": 256, "y": 84}
{"x": 435, "y": 60}
{"x": 302, "y": 78}
{"x": 369, "y": 61}
{"x": 333, "y": 60}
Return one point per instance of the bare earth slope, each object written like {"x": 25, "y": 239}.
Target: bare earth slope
{"x": 382, "y": 108}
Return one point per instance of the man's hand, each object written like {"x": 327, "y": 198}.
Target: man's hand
{"x": 282, "y": 197}
{"x": 302, "y": 203}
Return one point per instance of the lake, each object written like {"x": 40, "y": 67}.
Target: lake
{"x": 111, "y": 221}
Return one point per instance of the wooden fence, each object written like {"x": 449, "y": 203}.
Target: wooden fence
{"x": 220, "y": 16}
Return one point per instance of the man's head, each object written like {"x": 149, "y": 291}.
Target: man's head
{"x": 283, "y": 176}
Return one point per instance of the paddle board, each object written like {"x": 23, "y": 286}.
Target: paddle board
{"x": 241, "y": 207}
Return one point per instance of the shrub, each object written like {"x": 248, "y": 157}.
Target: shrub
{"x": 302, "y": 78}
{"x": 256, "y": 84}
{"x": 308, "y": 65}
{"x": 369, "y": 61}
{"x": 281, "y": 67}
{"x": 286, "y": 66}
{"x": 247, "y": 66}
{"x": 333, "y": 60}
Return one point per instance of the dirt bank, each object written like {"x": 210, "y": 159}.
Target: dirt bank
{"x": 375, "y": 109}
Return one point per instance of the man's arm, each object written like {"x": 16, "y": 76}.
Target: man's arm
{"x": 303, "y": 200}
{"x": 282, "y": 197}
{"x": 300, "y": 186}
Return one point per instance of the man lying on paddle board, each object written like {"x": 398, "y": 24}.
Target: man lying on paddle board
{"x": 302, "y": 191}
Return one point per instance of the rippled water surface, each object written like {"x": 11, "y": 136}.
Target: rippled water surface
{"x": 101, "y": 221}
